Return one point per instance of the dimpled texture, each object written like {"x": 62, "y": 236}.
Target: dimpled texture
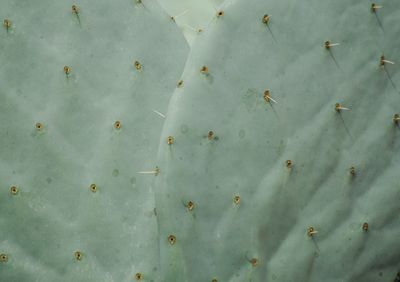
{"x": 253, "y": 138}
{"x": 54, "y": 212}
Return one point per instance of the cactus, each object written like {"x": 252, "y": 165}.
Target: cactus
{"x": 286, "y": 146}
{"x": 192, "y": 16}
{"x": 83, "y": 90}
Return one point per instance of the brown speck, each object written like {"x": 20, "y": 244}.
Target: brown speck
{"x": 13, "y": 190}
{"x": 311, "y": 231}
{"x": 78, "y": 255}
{"x": 3, "y": 257}
{"x": 396, "y": 118}
{"x": 353, "y": 171}
{"x": 266, "y": 95}
{"x": 204, "y": 70}
{"x": 171, "y": 239}
{"x": 190, "y": 205}
{"x": 117, "y": 124}
{"x": 93, "y": 188}
{"x": 138, "y": 66}
{"x": 138, "y": 276}
{"x": 67, "y": 70}
{"x": 254, "y": 262}
{"x": 374, "y": 8}
{"x": 7, "y": 23}
{"x": 39, "y": 126}
{"x": 265, "y": 19}
{"x": 327, "y": 44}
{"x": 382, "y": 61}
{"x": 75, "y": 9}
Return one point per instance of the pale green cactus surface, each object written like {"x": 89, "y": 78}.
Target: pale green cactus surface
{"x": 266, "y": 78}
{"x": 79, "y": 120}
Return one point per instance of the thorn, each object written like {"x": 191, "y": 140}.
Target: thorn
{"x": 289, "y": 163}
{"x": 353, "y": 171}
{"x": 339, "y": 108}
{"x": 236, "y": 200}
{"x": 210, "y": 135}
{"x": 267, "y": 97}
{"x": 375, "y": 7}
{"x": 156, "y": 171}
{"x": 158, "y": 113}
{"x": 383, "y": 61}
{"x": 365, "y": 226}
{"x": 180, "y": 15}
{"x": 265, "y": 19}
{"x": 180, "y": 83}
{"x": 311, "y": 231}
{"x": 396, "y": 118}
{"x": 328, "y": 44}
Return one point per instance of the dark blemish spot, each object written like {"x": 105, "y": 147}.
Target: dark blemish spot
{"x": 115, "y": 172}
{"x": 48, "y": 179}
